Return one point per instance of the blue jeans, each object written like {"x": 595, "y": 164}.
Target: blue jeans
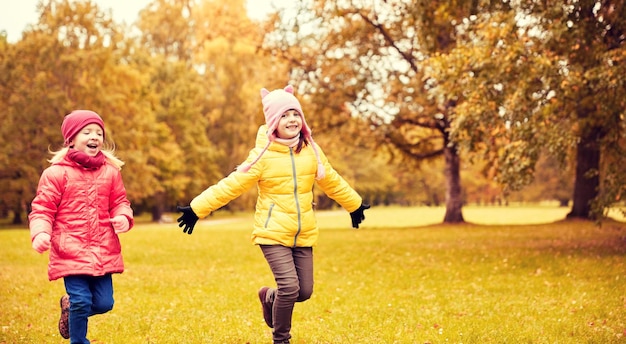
{"x": 89, "y": 295}
{"x": 293, "y": 271}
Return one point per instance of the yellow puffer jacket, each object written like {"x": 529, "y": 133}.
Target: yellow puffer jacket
{"x": 284, "y": 208}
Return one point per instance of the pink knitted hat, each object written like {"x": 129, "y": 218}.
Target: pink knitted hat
{"x": 76, "y": 121}
{"x": 275, "y": 104}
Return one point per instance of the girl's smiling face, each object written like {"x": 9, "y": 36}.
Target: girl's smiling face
{"x": 289, "y": 125}
{"x": 89, "y": 139}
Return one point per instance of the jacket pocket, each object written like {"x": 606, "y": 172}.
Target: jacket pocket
{"x": 111, "y": 244}
{"x": 269, "y": 215}
{"x": 70, "y": 246}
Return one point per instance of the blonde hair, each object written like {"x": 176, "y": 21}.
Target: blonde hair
{"x": 107, "y": 150}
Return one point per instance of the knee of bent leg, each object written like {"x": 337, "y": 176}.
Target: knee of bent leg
{"x": 80, "y": 305}
{"x": 305, "y": 293}
{"x": 102, "y": 306}
{"x": 288, "y": 291}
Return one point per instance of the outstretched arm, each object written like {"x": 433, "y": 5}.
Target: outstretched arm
{"x": 215, "y": 197}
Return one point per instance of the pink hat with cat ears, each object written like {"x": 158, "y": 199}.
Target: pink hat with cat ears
{"x": 275, "y": 104}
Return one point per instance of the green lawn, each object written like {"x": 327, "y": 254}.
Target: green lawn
{"x": 401, "y": 278}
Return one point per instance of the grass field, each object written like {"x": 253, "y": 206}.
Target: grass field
{"x": 515, "y": 275}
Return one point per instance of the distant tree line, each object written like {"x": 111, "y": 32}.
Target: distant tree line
{"x": 414, "y": 102}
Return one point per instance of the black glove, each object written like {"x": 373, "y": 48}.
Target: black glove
{"x": 188, "y": 219}
{"x": 358, "y": 216}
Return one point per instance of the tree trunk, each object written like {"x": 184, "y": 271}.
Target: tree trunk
{"x": 17, "y": 217}
{"x": 454, "y": 198}
{"x": 587, "y": 181}
{"x": 157, "y": 208}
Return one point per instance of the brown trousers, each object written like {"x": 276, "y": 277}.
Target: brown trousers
{"x": 293, "y": 272}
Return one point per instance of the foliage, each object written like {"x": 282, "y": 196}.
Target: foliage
{"x": 364, "y": 58}
{"x": 180, "y": 118}
{"x": 562, "y": 282}
{"x": 509, "y": 93}
{"x": 501, "y": 82}
{"x": 585, "y": 40}
{"x": 553, "y": 180}
{"x": 210, "y": 77}
{"x": 68, "y": 60}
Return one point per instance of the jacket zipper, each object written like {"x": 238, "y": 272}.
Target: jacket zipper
{"x": 295, "y": 195}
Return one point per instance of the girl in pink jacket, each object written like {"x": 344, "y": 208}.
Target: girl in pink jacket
{"x": 284, "y": 166}
{"x": 78, "y": 212}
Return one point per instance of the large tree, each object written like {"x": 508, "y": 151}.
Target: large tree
{"x": 590, "y": 38}
{"x": 369, "y": 55}
{"x": 505, "y": 80}
{"x": 564, "y": 61}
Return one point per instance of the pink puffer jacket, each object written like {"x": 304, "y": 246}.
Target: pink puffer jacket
{"x": 74, "y": 205}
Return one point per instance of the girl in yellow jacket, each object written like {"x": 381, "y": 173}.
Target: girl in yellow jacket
{"x": 284, "y": 165}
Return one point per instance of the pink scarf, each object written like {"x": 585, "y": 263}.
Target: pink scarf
{"x": 89, "y": 162}
{"x": 292, "y": 142}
